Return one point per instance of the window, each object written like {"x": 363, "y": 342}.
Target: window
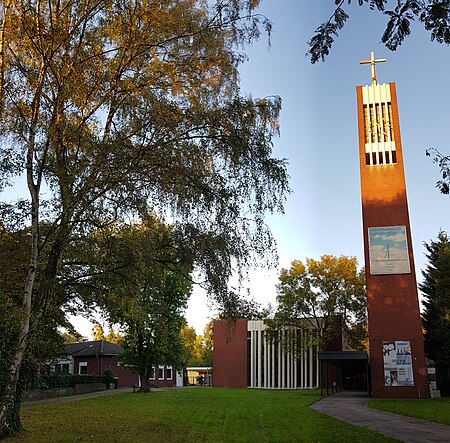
{"x": 161, "y": 372}
{"x": 152, "y": 373}
{"x": 82, "y": 367}
{"x": 62, "y": 368}
{"x": 169, "y": 372}
{"x": 390, "y": 157}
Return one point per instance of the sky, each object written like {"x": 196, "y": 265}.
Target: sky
{"x": 319, "y": 133}
{"x": 318, "y": 137}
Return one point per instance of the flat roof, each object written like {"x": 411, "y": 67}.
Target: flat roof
{"x": 343, "y": 355}
{"x": 198, "y": 368}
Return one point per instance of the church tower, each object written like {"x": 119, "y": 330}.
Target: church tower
{"x": 397, "y": 355}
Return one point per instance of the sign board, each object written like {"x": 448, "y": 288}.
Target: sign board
{"x": 388, "y": 250}
{"x": 397, "y": 361}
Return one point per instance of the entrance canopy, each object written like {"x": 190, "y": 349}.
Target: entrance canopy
{"x": 344, "y": 370}
{"x": 343, "y": 355}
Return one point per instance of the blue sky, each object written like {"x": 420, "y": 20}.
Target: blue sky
{"x": 319, "y": 131}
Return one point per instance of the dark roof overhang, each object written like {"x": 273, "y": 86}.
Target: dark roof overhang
{"x": 343, "y": 355}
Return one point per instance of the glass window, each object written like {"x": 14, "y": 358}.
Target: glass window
{"x": 62, "y": 367}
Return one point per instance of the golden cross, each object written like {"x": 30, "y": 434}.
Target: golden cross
{"x": 372, "y": 62}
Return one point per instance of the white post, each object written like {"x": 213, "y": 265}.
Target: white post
{"x": 311, "y": 364}
{"x": 279, "y": 360}
{"x": 252, "y": 358}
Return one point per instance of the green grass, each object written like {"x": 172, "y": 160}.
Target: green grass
{"x": 190, "y": 415}
{"x": 437, "y": 410}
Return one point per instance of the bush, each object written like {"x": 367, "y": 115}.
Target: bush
{"x": 63, "y": 380}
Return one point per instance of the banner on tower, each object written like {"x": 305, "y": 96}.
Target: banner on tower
{"x": 397, "y": 363}
{"x": 388, "y": 250}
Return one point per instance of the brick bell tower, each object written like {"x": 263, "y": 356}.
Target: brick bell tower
{"x": 397, "y": 355}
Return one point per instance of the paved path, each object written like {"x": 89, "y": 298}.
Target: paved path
{"x": 352, "y": 408}
{"x": 69, "y": 398}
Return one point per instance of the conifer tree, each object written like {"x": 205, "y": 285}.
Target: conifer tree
{"x": 436, "y": 290}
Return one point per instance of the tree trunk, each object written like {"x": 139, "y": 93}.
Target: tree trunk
{"x": 10, "y": 422}
{"x": 11, "y": 396}
{"x": 145, "y": 385}
{"x": 3, "y": 39}
{"x": 10, "y": 413}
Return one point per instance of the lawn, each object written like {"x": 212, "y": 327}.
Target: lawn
{"x": 437, "y": 410}
{"x": 190, "y": 415}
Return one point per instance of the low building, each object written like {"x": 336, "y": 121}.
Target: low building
{"x": 97, "y": 357}
{"x": 164, "y": 376}
{"x": 195, "y": 372}
{"x": 246, "y": 355}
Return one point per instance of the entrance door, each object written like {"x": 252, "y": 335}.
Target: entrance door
{"x": 179, "y": 378}
{"x": 354, "y": 373}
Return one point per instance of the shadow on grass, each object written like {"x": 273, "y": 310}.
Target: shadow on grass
{"x": 190, "y": 415}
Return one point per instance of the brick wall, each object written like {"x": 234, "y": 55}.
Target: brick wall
{"x": 98, "y": 366}
{"x": 393, "y": 306}
{"x": 230, "y": 363}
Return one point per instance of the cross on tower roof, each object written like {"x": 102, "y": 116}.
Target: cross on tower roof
{"x": 372, "y": 62}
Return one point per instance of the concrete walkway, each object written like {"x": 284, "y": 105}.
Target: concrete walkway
{"x": 69, "y": 398}
{"x": 352, "y": 408}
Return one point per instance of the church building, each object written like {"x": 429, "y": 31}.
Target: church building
{"x": 245, "y": 355}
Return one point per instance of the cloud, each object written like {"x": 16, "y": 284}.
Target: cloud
{"x": 396, "y": 237}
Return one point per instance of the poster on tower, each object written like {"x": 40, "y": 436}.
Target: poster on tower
{"x": 388, "y": 250}
{"x": 397, "y": 363}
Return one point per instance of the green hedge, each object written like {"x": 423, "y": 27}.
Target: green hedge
{"x": 61, "y": 380}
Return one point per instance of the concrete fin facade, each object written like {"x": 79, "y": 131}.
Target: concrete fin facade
{"x": 246, "y": 355}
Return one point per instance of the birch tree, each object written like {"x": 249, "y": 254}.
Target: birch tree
{"x": 114, "y": 108}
